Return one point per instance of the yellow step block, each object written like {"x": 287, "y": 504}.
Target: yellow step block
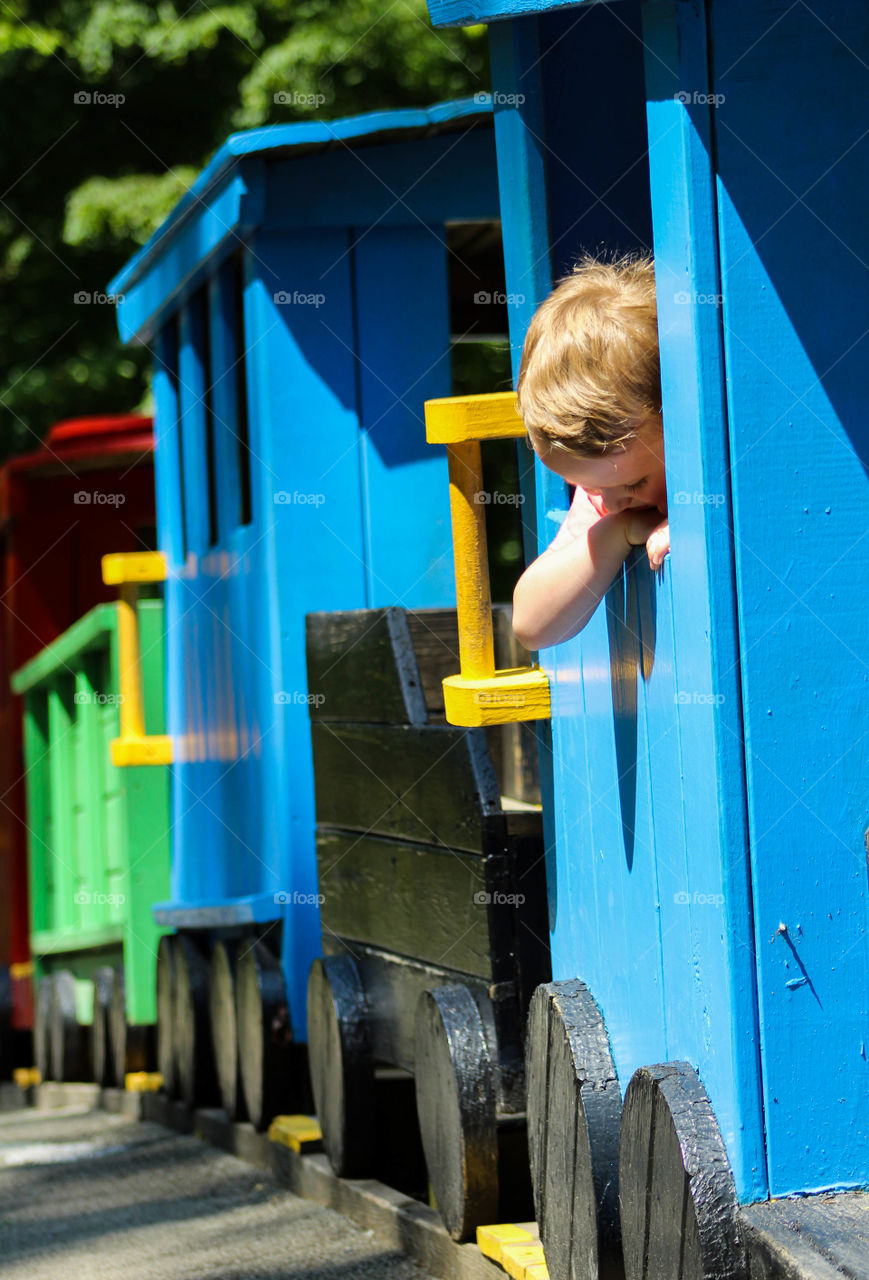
{"x": 491, "y": 1240}
{"x": 517, "y": 1259}
{"x": 299, "y": 1133}
{"x": 143, "y": 1081}
{"x": 25, "y": 1077}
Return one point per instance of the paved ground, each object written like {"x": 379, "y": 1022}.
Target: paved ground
{"x": 91, "y": 1196}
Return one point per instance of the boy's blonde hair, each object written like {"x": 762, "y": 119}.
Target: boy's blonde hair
{"x": 590, "y": 371}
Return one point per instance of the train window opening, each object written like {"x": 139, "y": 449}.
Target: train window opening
{"x": 242, "y": 423}
{"x": 481, "y": 363}
{"x": 208, "y": 411}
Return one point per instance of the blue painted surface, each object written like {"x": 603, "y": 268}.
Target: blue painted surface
{"x": 709, "y": 779}
{"x": 467, "y": 13}
{"x": 325, "y": 329}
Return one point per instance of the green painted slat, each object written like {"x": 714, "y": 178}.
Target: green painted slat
{"x": 89, "y": 632}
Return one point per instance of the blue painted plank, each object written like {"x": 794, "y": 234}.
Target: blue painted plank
{"x": 792, "y": 165}
{"x": 401, "y": 365}
{"x": 305, "y": 442}
{"x": 467, "y": 13}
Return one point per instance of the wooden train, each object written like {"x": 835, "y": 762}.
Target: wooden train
{"x": 592, "y": 928}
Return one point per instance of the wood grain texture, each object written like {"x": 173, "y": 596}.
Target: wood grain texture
{"x": 574, "y": 1114}
{"x": 434, "y": 785}
{"x": 224, "y": 1034}
{"x": 821, "y": 1237}
{"x": 341, "y": 1064}
{"x": 191, "y": 1033}
{"x": 677, "y": 1198}
{"x": 454, "y": 1074}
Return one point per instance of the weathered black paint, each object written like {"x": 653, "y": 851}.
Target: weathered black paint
{"x": 194, "y": 1057}
{"x": 269, "y": 1061}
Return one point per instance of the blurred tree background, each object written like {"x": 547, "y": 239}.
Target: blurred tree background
{"x": 113, "y": 107}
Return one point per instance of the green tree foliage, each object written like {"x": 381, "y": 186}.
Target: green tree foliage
{"x": 111, "y": 107}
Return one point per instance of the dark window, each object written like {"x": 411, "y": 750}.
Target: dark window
{"x": 242, "y": 422}
{"x": 208, "y": 408}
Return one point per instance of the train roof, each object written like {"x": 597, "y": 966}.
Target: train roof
{"x": 292, "y": 140}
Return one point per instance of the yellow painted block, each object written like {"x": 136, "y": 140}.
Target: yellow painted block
{"x": 143, "y": 1081}
{"x": 133, "y": 566}
{"x": 516, "y": 1258}
{"x": 21, "y": 969}
{"x": 155, "y": 748}
{"x": 519, "y": 693}
{"x": 24, "y": 1077}
{"x": 537, "y": 1271}
{"x": 453, "y": 419}
{"x": 299, "y": 1133}
{"x": 491, "y": 1240}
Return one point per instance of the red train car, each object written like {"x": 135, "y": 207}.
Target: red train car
{"x": 87, "y": 490}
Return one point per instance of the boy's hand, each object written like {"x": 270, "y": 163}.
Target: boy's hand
{"x": 658, "y": 544}
{"x": 644, "y": 525}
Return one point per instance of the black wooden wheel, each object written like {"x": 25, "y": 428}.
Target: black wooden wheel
{"x": 455, "y": 1102}
{"x": 341, "y": 1065}
{"x": 166, "y": 1063}
{"x": 42, "y": 1028}
{"x": 194, "y": 1057}
{"x": 101, "y": 1057}
{"x": 223, "y": 1030}
{"x": 574, "y": 1115}
{"x": 267, "y": 1060}
{"x": 678, "y": 1200}
{"x": 68, "y": 1041}
{"x": 132, "y": 1047}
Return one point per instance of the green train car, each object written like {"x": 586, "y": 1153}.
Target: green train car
{"x": 98, "y": 841}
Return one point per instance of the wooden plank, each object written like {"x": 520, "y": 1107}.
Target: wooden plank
{"x": 434, "y": 785}
{"x": 361, "y": 665}
{"x": 425, "y": 903}
{"x": 813, "y": 1238}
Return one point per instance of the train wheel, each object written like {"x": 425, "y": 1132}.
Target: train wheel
{"x": 574, "y": 1115}
{"x": 678, "y": 1200}
{"x": 341, "y": 1065}
{"x": 455, "y": 1102}
{"x": 194, "y": 1057}
{"x": 265, "y": 1039}
{"x": 42, "y": 1028}
{"x": 131, "y": 1046}
{"x": 166, "y": 1062}
{"x": 223, "y": 1030}
{"x": 101, "y": 1056}
{"x": 68, "y": 1041}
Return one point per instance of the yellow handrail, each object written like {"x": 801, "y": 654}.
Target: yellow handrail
{"x": 479, "y": 695}
{"x": 134, "y": 746}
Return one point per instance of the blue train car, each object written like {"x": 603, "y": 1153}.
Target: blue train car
{"x": 297, "y": 301}
{"x": 703, "y": 1052}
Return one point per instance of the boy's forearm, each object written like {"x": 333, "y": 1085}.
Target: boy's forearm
{"x": 558, "y": 593}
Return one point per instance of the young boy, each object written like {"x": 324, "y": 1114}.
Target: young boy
{"x": 590, "y": 395}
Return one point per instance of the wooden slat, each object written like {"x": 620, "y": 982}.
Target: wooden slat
{"x": 421, "y": 902}
{"x": 813, "y": 1238}
{"x": 430, "y": 784}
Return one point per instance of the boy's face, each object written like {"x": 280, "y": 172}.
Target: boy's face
{"x": 631, "y": 476}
